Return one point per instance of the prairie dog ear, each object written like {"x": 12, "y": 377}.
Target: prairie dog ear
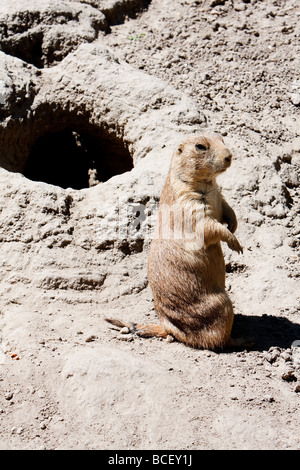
{"x": 179, "y": 148}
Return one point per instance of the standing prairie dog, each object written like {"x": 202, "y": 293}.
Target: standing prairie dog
{"x": 186, "y": 268}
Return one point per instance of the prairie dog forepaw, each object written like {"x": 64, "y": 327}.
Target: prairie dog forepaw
{"x": 234, "y": 244}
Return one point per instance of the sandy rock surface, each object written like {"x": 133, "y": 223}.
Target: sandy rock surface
{"x": 94, "y": 97}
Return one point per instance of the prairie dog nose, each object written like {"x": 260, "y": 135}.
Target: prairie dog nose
{"x": 228, "y": 158}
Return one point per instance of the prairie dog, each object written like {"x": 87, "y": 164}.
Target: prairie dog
{"x": 186, "y": 268}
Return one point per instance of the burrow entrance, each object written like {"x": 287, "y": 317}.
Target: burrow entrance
{"x": 29, "y": 48}
{"x": 63, "y": 149}
{"x": 69, "y": 158}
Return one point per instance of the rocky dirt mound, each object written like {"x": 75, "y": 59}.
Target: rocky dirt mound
{"x": 94, "y": 97}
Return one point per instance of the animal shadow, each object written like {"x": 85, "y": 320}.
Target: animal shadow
{"x": 266, "y": 330}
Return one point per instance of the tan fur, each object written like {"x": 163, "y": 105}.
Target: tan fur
{"x": 186, "y": 268}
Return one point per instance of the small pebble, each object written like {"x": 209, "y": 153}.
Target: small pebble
{"x": 124, "y": 331}
{"x": 8, "y": 396}
{"x": 272, "y": 355}
{"x": 41, "y": 393}
{"x": 90, "y": 339}
{"x": 286, "y": 356}
{"x": 269, "y": 399}
{"x": 289, "y": 376}
{"x": 169, "y": 339}
{"x": 295, "y": 99}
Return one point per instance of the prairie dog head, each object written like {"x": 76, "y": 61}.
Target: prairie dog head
{"x": 200, "y": 158}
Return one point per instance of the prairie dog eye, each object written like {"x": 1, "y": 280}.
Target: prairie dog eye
{"x": 201, "y": 147}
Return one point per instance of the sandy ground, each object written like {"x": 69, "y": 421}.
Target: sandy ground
{"x": 68, "y": 381}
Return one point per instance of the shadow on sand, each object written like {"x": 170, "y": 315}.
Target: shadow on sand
{"x": 266, "y": 330}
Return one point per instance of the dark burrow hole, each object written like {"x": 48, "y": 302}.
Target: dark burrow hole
{"x": 28, "y": 48}
{"x": 69, "y": 158}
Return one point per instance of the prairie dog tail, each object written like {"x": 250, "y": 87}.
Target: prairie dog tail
{"x": 119, "y": 323}
{"x": 145, "y": 331}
